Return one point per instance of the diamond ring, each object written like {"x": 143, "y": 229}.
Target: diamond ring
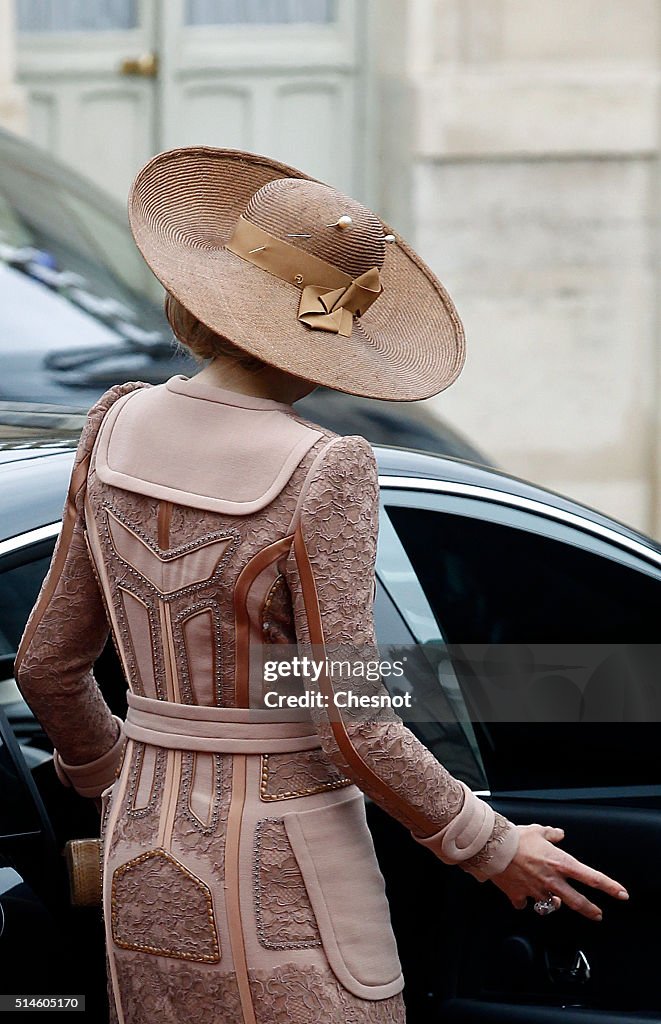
{"x": 547, "y": 906}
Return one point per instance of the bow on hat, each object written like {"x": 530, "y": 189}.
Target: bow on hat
{"x": 333, "y": 309}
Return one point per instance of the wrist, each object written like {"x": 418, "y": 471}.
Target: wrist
{"x": 499, "y": 851}
{"x": 92, "y": 777}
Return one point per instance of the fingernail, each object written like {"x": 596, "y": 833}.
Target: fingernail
{"x": 623, "y": 894}
{"x": 598, "y": 917}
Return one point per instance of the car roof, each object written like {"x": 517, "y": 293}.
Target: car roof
{"x": 400, "y": 462}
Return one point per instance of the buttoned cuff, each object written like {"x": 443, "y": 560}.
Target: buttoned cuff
{"x": 92, "y": 777}
{"x": 466, "y": 834}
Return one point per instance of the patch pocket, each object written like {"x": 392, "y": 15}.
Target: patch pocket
{"x": 335, "y": 853}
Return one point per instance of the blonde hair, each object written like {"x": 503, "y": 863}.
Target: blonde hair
{"x": 201, "y": 340}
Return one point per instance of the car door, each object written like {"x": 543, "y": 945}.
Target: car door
{"x": 522, "y": 600}
{"x": 46, "y": 945}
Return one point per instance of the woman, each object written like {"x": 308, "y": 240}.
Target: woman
{"x": 205, "y": 519}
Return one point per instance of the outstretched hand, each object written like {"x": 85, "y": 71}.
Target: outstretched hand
{"x": 539, "y": 868}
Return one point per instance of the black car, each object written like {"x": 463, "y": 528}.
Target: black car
{"x": 502, "y": 586}
{"x": 80, "y": 311}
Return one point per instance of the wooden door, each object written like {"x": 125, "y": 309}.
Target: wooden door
{"x": 88, "y": 70}
{"x": 286, "y": 78}
{"x": 110, "y": 82}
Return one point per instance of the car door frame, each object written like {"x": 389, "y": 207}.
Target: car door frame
{"x": 599, "y": 539}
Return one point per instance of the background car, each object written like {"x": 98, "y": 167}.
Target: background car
{"x": 477, "y": 572}
{"x": 80, "y": 311}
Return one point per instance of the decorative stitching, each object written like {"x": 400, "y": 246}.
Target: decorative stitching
{"x": 277, "y": 582}
{"x": 231, "y": 534}
{"x": 157, "y": 781}
{"x": 271, "y": 894}
{"x": 184, "y": 670}
{"x": 169, "y": 554}
{"x": 156, "y": 646}
{"x": 186, "y": 791}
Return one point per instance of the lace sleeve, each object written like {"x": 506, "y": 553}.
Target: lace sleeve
{"x": 330, "y": 572}
{"x": 65, "y": 633}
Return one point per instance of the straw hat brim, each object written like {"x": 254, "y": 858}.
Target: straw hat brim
{"x": 183, "y": 206}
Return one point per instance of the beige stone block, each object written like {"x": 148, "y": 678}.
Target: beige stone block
{"x": 536, "y": 111}
{"x": 545, "y": 31}
{"x": 551, "y": 267}
{"x": 497, "y": 217}
{"x": 580, "y": 30}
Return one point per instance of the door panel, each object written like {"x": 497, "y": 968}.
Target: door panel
{"x": 76, "y": 15}
{"x": 516, "y": 956}
{"x": 468, "y": 954}
{"x": 84, "y": 104}
{"x": 467, "y": 1011}
{"x": 259, "y": 12}
{"x": 286, "y": 79}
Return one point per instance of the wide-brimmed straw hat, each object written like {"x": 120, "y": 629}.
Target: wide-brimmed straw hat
{"x": 295, "y": 273}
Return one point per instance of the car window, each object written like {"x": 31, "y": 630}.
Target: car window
{"x": 19, "y": 587}
{"x": 507, "y": 589}
{"x": 21, "y": 576}
{"x": 406, "y": 628}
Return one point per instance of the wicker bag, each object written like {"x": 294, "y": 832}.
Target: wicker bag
{"x": 84, "y": 864}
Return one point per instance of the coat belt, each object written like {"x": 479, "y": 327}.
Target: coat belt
{"x": 217, "y": 730}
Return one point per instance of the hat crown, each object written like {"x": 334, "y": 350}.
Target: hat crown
{"x": 305, "y": 213}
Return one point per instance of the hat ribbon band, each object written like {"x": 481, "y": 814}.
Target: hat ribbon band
{"x": 329, "y": 299}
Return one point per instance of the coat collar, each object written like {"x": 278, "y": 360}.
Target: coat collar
{"x": 193, "y": 388}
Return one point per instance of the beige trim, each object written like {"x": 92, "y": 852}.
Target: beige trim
{"x": 232, "y": 886}
{"x": 168, "y": 659}
{"x": 203, "y": 774}
{"x": 140, "y": 639}
{"x": 118, "y": 799}
{"x": 173, "y": 797}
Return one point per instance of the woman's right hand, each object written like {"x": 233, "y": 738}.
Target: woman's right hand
{"x": 540, "y": 868}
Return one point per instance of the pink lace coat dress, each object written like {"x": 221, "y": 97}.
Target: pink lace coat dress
{"x": 240, "y": 880}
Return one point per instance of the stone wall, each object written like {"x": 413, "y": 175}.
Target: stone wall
{"x": 527, "y": 173}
